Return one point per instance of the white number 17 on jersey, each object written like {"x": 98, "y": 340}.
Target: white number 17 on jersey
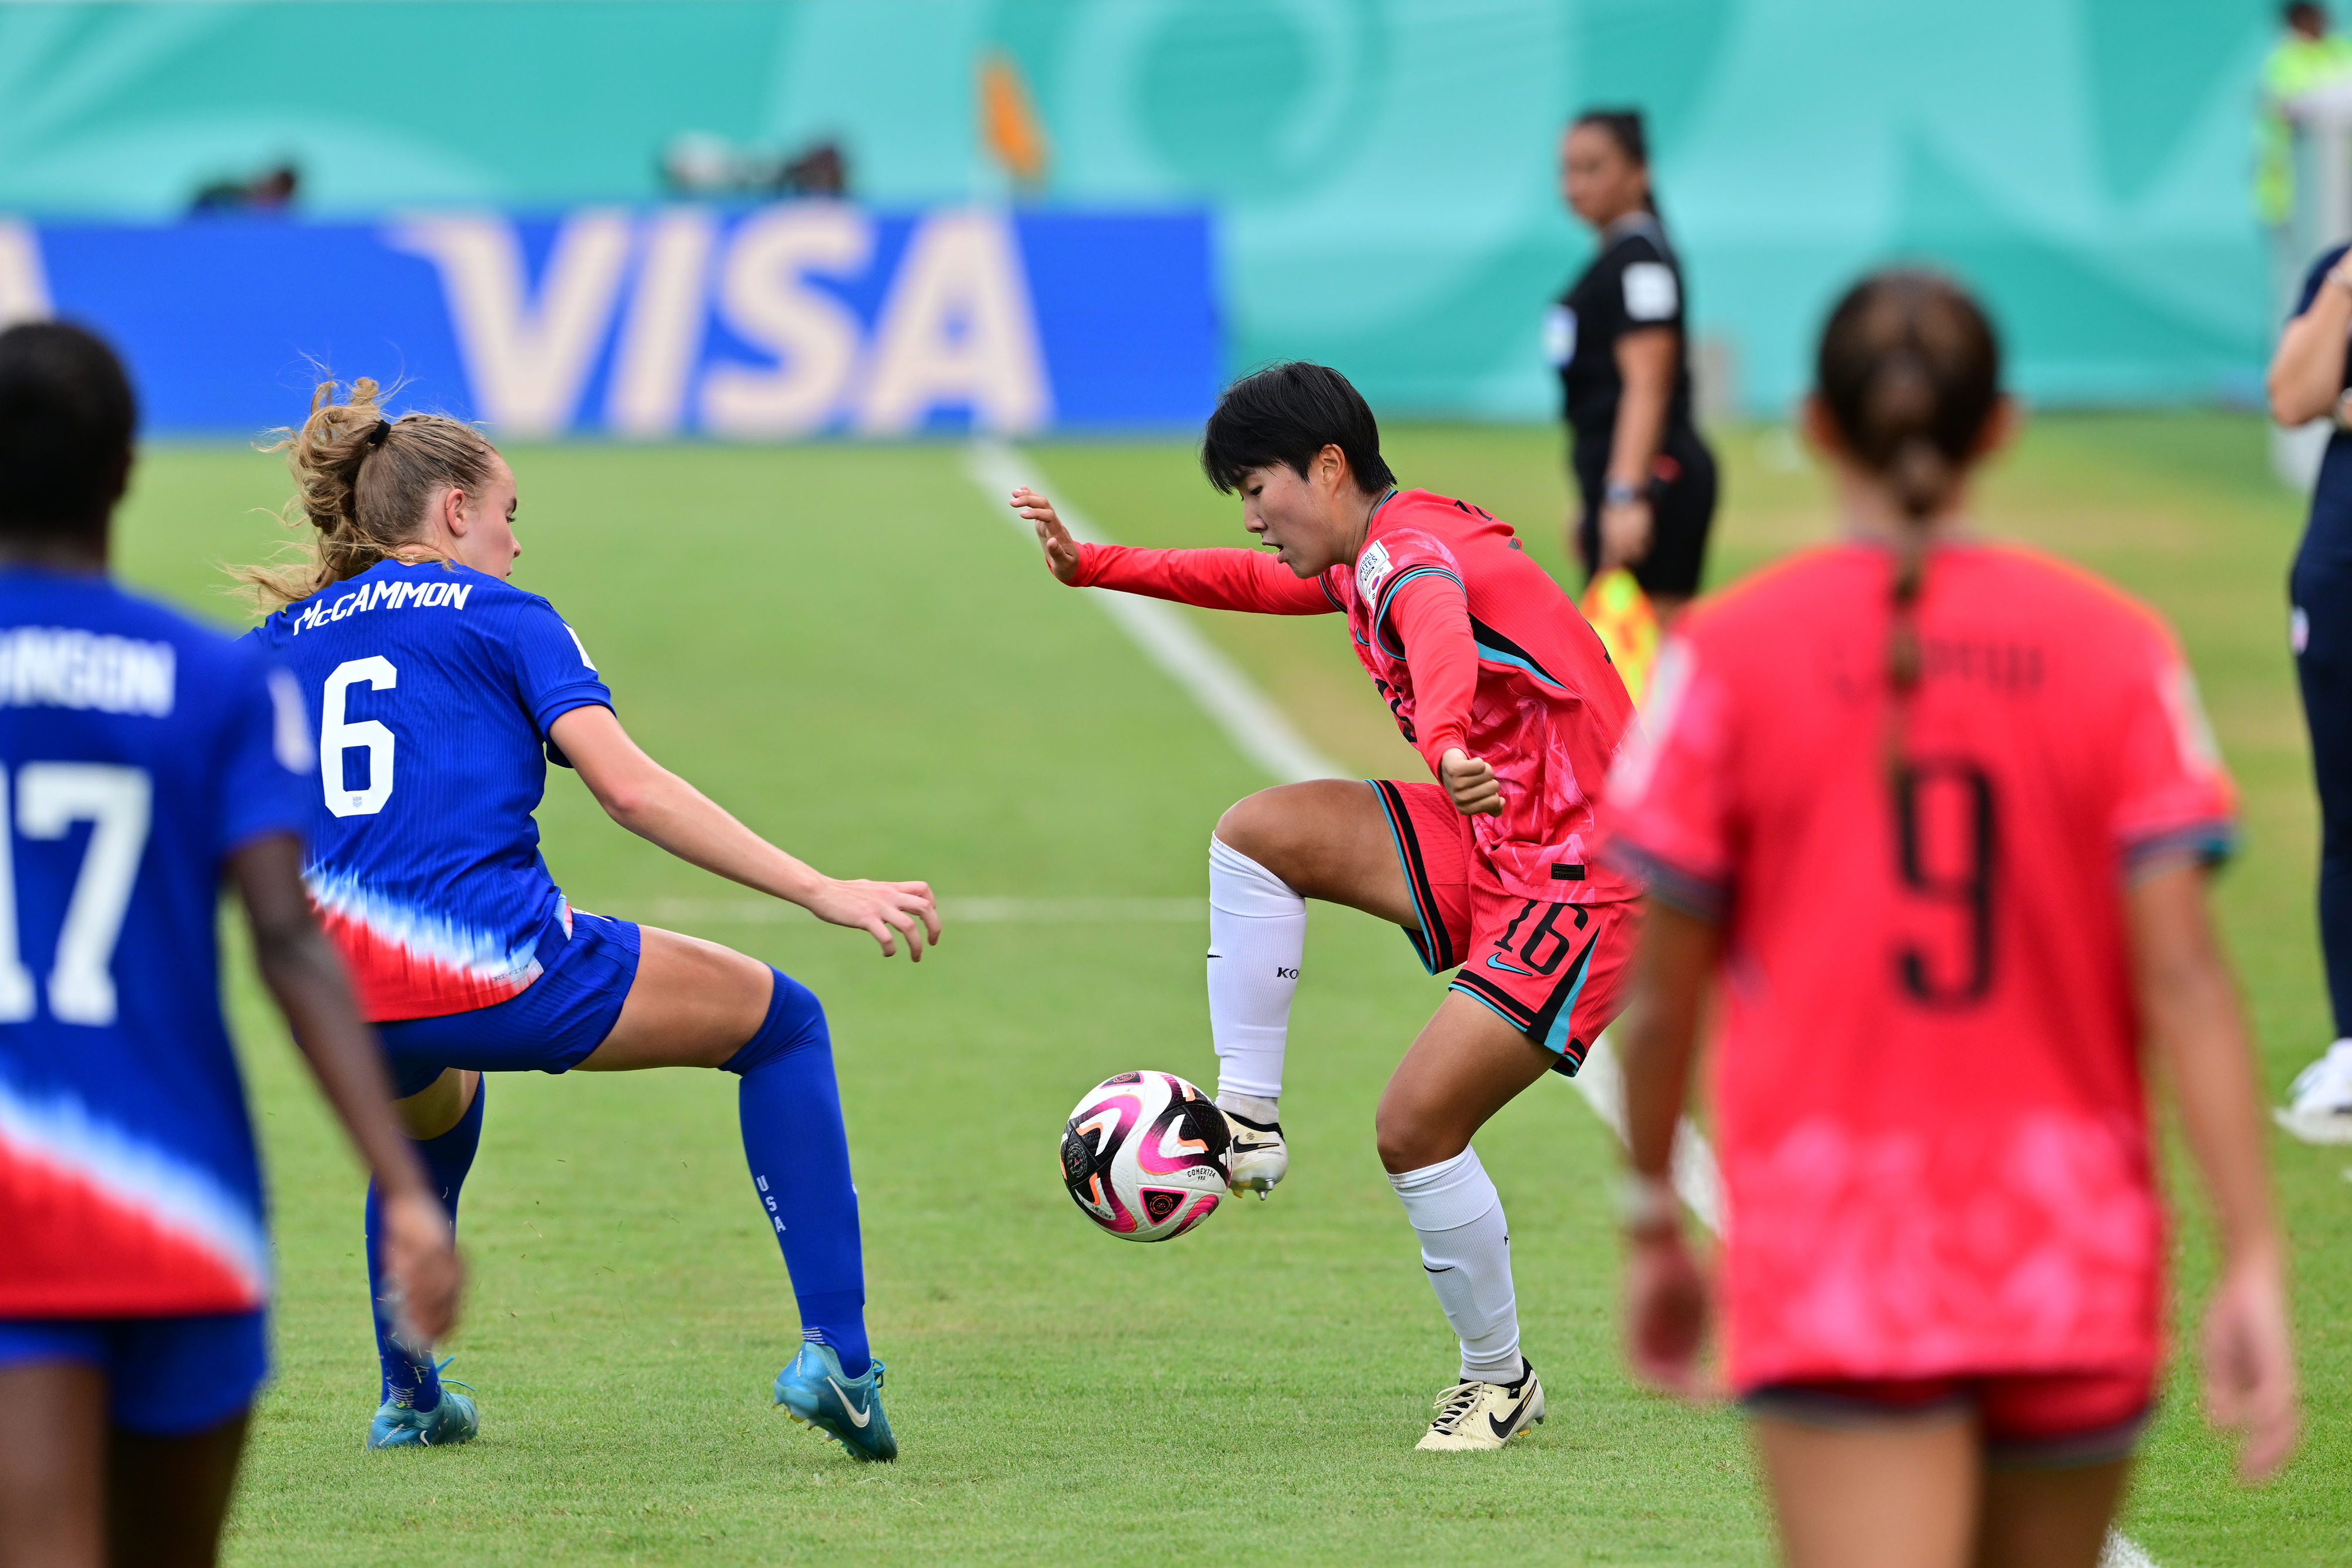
{"x": 119, "y": 803}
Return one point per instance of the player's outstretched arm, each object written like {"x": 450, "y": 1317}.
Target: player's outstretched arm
{"x": 302, "y": 971}
{"x": 2190, "y": 1007}
{"x": 1665, "y": 1295}
{"x": 655, "y": 804}
{"x": 1215, "y": 578}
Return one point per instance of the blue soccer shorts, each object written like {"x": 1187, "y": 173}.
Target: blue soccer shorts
{"x": 166, "y": 1377}
{"x": 550, "y": 1027}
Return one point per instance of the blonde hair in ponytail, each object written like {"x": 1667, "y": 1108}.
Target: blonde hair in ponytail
{"x": 363, "y": 480}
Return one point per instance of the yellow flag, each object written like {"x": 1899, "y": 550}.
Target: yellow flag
{"x": 1009, "y": 126}
{"x": 1620, "y": 612}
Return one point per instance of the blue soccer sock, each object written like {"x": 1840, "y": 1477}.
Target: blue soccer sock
{"x": 799, "y": 1155}
{"x": 447, "y": 1158}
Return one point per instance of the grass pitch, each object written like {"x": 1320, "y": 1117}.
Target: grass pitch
{"x": 849, "y": 647}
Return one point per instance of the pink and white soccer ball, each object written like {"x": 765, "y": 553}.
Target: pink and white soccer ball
{"x": 1144, "y": 1156}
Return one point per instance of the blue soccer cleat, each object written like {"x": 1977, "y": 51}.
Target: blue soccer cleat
{"x": 399, "y": 1425}
{"x": 813, "y": 1391}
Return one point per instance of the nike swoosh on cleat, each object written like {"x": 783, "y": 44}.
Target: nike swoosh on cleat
{"x": 1503, "y": 1429}
{"x": 1495, "y": 961}
{"x": 859, "y": 1420}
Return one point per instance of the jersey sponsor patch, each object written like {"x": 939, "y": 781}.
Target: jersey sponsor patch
{"x": 1651, "y": 294}
{"x": 1371, "y": 567}
{"x": 1559, "y": 336}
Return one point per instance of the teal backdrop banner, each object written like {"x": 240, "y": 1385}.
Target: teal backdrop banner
{"x": 1379, "y": 171}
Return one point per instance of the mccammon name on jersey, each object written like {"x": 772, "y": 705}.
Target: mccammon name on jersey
{"x": 387, "y": 596}
{"x": 57, "y": 667}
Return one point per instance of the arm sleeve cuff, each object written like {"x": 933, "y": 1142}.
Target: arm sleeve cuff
{"x": 2209, "y": 843}
{"x": 1699, "y": 897}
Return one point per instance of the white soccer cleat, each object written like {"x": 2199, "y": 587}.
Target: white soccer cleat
{"x": 1485, "y": 1415}
{"x": 2320, "y": 1108}
{"x": 1257, "y": 1157}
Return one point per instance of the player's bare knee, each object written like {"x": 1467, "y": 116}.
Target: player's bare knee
{"x": 1406, "y": 1142}
{"x": 1282, "y": 829}
{"x": 1251, "y": 826}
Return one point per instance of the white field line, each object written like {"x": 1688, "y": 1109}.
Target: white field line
{"x": 1257, "y": 728}
{"x": 1262, "y": 734}
{"x": 1603, "y": 1088}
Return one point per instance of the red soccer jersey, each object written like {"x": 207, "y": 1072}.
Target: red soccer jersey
{"x": 1472, "y": 644}
{"x": 1930, "y": 1110}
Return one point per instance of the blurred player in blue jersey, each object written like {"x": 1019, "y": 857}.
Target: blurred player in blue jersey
{"x": 443, "y": 693}
{"x": 143, "y": 759}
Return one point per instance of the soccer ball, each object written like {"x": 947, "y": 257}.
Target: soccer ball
{"x": 1144, "y": 1156}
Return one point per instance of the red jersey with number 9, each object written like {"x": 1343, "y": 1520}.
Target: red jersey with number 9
{"x": 1930, "y": 1106}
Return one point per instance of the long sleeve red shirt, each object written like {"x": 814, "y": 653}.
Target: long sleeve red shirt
{"x": 1471, "y": 645}
{"x": 1429, "y": 617}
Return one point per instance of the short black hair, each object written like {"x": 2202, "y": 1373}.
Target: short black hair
{"x": 67, "y": 415}
{"x": 1287, "y": 413}
{"x": 2300, "y": 12}
{"x": 1623, "y": 126}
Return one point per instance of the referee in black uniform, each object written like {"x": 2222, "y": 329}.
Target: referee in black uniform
{"x": 1616, "y": 337}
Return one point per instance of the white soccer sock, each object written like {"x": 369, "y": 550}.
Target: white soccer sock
{"x": 1258, "y": 933}
{"x": 1465, "y": 1246}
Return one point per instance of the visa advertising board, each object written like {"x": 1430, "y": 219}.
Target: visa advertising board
{"x": 797, "y": 319}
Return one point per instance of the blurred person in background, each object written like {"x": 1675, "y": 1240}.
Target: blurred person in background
{"x": 2308, "y": 382}
{"x": 1645, "y": 480}
{"x": 2306, "y": 55}
{"x": 1937, "y": 816}
{"x": 273, "y": 189}
{"x": 133, "y": 1303}
{"x": 697, "y": 164}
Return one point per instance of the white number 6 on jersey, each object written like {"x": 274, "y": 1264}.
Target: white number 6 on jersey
{"x": 335, "y": 738}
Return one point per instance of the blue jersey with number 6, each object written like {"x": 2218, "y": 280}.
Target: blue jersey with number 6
{"x": 435, "y": 686}
{"x": 138, "y": 750}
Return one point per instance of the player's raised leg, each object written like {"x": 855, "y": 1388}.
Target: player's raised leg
{"x": 1337, "y": 840}
{"x": 1326, "y": 839}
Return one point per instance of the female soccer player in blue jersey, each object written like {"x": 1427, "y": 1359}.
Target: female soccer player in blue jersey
{"x": 443, "y": 693}
{"x": 146, "y": 759}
